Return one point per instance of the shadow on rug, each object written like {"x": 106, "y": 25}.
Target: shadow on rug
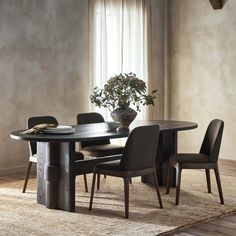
{"x": 20, "y": 215}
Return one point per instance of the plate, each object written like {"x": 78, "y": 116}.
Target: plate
{"x": 60, "y": 129}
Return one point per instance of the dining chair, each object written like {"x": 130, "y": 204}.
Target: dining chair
{"x": 207, "y": 159}
{"x": 32, "y": 121}
{"x": 98, "y": 148}
{"x": 138, "y": 159}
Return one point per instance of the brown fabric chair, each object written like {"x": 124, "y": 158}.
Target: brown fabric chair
{"x": 206, "y": 159}
{"x": 138, "y": 159}
{"x": 98, "y": 148}
{"x": 32, "y": 121}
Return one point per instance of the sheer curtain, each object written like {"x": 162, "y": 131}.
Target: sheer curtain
{"x": 119, "y": 42}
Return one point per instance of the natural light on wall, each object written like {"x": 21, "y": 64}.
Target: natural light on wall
{"x": 119, "y": 42}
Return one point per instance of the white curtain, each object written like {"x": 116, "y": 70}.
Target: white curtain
{"x": 119, "y": 42}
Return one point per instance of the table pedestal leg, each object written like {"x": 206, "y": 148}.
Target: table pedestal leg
{"x": 56, "y": 180}
{"x": 166, "y": 147}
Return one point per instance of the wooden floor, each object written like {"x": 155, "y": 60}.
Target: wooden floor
{"x": 222, "y": 226}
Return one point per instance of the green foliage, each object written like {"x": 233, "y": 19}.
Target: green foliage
{"x": 123, "y": 90}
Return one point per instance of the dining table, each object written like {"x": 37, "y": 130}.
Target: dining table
{"x": 57, "y": 168}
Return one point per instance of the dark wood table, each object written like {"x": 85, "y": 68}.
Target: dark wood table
{"x": 56, "y": 169}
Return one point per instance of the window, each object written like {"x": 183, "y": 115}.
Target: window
{"x": 118, "y": 41}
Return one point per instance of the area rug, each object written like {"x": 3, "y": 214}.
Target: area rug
{"x": 20, "y": 215}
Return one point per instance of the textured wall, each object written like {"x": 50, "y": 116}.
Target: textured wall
{"x": 202, "y": 84}
{"x": 43, "y": 67}
{"x": 157, "y": 35}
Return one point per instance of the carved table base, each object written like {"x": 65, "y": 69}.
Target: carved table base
{"x": 56, "y": 181}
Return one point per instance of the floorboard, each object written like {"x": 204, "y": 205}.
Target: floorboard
{"x": 221, "y": 226}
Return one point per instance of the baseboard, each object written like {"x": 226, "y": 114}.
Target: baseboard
{"x": 22, "y": 169}
{"x": 233, "y": 161}
{"x": 16, "y": 170}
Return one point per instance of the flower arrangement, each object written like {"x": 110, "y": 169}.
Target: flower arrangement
{"x": 123, "y": 90}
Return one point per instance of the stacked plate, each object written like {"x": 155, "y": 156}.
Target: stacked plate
{"x": 60, "y": 129}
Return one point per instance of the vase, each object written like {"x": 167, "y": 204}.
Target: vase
{"x": 124, "y": 115}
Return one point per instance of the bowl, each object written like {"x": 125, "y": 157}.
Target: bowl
{"x": 111, "y": 125}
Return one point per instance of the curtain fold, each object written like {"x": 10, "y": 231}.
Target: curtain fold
{"x": 120, "y": 34}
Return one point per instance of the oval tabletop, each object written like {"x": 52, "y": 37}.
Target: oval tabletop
{"x": 98, "y": 131}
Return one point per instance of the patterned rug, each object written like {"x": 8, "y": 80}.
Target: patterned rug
{"x": 20, "y": 215}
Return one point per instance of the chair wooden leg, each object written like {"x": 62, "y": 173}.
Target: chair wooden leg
{"x": 92, "y": 191}
{"x": 130, "y": 180}
{"x": 216, "y": 170}
{"x": 105, "y": 176}
{"x": 157, "y": 190}
{"x": 27, "y": 176}
{"x": 178, "y": 182}
{"x": 98, "y": 182}
{"x": 208, "y": 179}
{"x": 126, "y": 191}
{"x": 168, "y": 179}
{"x": 85, "y": 183}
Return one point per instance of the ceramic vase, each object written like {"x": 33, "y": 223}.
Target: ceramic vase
{"x": 124, "y": 115}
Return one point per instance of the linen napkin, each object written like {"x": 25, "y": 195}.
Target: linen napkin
{"x": 37, "y": 128}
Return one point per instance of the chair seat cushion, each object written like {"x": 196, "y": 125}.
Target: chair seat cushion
{"x": 34, "y": 158}
{"x": 189, "y": 158}
{"x": 111, "y": 165}
{"x": 102, "y": 150}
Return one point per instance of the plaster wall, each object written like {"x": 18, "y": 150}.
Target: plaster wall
{"x": 157, "y": 55}
{"x": 202, "y": 68}
{"x": 44, "y": 66}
